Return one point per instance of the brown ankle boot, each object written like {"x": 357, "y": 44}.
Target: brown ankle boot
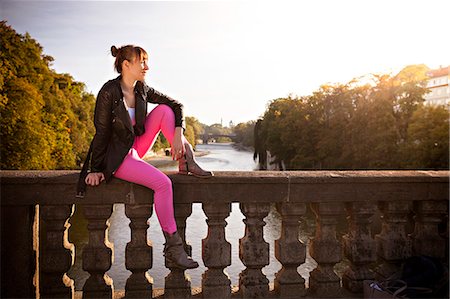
{"x": 174, "y": 253}
{"x": 187, "y": 164}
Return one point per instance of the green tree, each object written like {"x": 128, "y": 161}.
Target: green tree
{"x": 26, "y": 142}
{"x": 189, "y": 134}
{"x": 161, "y": 143}
{"x": 409, "y": 87}
{"x": 378, "y": 125}
{"x": 193, "y": 130}
{"x": 46, "y": 117}
{"x": 286, "y": 130}
{"x": 334, "y": 113}
{"x": 428, "y": 139}
{"x": 244, "y": 133}
{"x": 374, "y": 128}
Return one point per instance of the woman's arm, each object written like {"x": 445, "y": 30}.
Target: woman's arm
{"x": 178, "y": 148}
{"x": 103, "y": 127}
{"x": 155, "y": 97}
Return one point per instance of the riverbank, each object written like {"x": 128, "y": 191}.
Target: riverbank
{"x": 241, "y": 147}
{"x": 161, "y": 160}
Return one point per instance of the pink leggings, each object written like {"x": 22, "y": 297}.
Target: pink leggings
{"x": 134, "y": 169}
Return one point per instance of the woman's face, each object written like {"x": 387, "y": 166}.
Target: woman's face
{"x": 138, "y": 68}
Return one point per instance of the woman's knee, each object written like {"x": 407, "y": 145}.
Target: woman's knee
{"x": 162, "y": 108}
{"x": 164, "y": 183}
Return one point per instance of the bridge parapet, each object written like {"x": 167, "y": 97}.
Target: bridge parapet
{"x": 392, "y": 197}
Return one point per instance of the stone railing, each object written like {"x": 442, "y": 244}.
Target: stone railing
{"x": 30, "y": 198}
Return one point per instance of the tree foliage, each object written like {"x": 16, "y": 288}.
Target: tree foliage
{"x": 379, "y": 125}
{"x": 244, "y": 133}
{"x": 46, "y": 117}
{"x": 193, "y": 130}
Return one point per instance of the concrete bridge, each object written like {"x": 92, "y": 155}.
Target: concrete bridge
{"x": 208, "y": 136}
{"x": 37, "y": 205}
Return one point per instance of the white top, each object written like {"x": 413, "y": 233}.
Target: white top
{"x": 131, "y": 112}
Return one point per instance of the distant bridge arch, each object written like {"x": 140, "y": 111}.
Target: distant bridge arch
{"x": 209, "y": 136}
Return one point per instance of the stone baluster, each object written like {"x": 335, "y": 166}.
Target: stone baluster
{"x": 254, "y": 251}
{"x": 216, "y": 252}
{"x": 359, "y": 245}
{"x": 326, "y": 250}
{"x": 19, "y": 251}
{"x": 98, "y": 253}
{"x": 426, "y": 238}
{"x": 177, "y": 282}
{"x": 290, "y": 251}
{"x": 57, "y": 255}
{"x": 393, "y": 244}
{"x": 138, "y": 252}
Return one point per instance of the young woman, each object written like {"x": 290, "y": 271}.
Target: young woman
{"x": 125, "y": 132}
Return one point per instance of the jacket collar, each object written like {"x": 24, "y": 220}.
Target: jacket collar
{"x": 140, "y": 105}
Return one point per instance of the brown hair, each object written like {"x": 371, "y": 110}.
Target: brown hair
{"x": 128, "y": 52}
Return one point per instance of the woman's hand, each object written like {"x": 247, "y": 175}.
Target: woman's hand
{"x": 94, "y": 178}
{"x": 178, "y": 148}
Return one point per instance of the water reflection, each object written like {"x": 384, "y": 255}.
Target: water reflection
{"x": 220, "y": 157}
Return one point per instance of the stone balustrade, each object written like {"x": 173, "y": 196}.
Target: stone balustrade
{"x": 40, "y": 203}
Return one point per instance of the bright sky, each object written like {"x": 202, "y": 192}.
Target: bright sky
{"x": 226, "y": 60}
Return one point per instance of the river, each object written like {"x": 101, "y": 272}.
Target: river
{"x": 220, "y": 157}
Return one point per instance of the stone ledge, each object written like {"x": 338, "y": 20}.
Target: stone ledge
{"x": 196, "y": 292}
{"x": 58, "y": 187}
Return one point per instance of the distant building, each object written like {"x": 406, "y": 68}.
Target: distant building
{"x": 438, "y": 83}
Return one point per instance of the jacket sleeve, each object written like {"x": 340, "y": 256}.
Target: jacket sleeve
{"x": 156, "y": 97}
{"x": 103, "y": 128}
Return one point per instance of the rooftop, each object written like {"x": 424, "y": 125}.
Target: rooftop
{"x": 442, "y": 71}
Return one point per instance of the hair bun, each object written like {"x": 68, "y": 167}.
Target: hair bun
{"x": 114, "y": 51}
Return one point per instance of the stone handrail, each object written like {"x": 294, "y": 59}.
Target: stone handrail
{"x": 48, "y": 197}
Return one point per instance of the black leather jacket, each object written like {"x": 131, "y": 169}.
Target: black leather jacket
{"x": 115, "y": 133}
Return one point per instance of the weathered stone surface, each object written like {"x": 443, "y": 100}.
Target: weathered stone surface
{"x": 26, "y": 187}
{"x": 57, "y": 255}
{"x": 427, "y": 190}
{"x": 216, "y": 252}
{"x": 253, "y": 284}
{"x": 393, "y": 243}
{"x": 254, "y": 251}
{"x": 216, "y": 284}
{"x": 426, "y": 237}
{"x": 177, "y": 283}
{"x": 138, "y": 259}
{"x": 326, "y": 250}
{"x": 98, "y": 286}
{"x": 18, "y": 258}
{"x": 231, "y": 186}
{"x": 290, "y": 251}
{"x": 98, "y": 253}
{"x": 139, "y": 285}
{"x": 359, "y": 246}
{"x": 138, "y": 252}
